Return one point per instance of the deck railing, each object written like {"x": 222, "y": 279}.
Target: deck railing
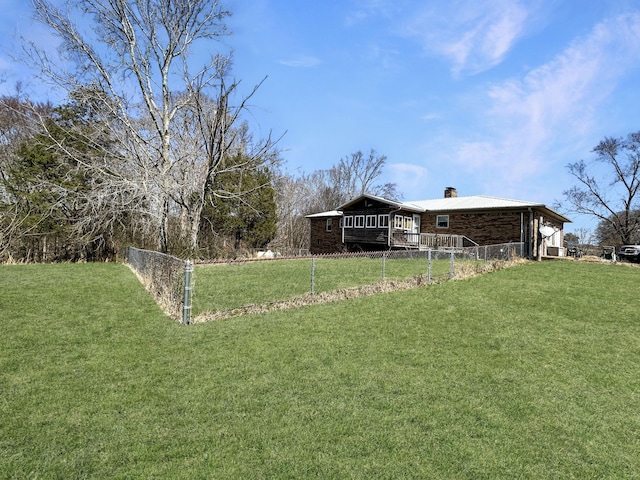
{"x": 424, "y": 241}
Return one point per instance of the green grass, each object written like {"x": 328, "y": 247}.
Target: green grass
{"x": 232, "y": 285}
{"x": 529, "y": 372}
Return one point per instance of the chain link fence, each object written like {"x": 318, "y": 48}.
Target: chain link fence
{"x": 168, "y": 279}
{"x": 256, "y": 285}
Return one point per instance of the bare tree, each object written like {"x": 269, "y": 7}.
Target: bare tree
{"x": 170, "y": 116}
{"x": 584, "y": 235}
{"x": 292, "y": 199}
{"x": 325, "y": 190}
{"x": 352, "y": 176}
{"x": 608, "y": 188}
{"x": 226, "y": 146}
{"x": 358, "y": 173}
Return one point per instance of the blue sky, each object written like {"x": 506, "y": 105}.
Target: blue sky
{"x": 492, "y": 97}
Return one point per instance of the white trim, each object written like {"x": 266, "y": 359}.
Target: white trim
{"x": 348, "y": 221}
{"x": 369, "y": 224}
{"x": 416, "y": 223}
{"x": 438, "y": 221}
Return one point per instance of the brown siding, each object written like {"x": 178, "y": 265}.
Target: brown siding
{"x": 484, "y": 228}
{"x": 367, "y": 237}
{"x": 323, "y": 241}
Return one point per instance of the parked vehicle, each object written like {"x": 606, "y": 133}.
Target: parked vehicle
{"x": 630, "y": 253}
{"x": 574, "y": 250}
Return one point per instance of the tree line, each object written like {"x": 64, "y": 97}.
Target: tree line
{"x": 68, "y": 192}
{"x": 150, "y": 146}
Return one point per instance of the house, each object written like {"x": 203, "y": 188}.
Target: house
{"x": 371, "y": 223}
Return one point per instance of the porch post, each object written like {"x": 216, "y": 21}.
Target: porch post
{"x": 540, "y": 240}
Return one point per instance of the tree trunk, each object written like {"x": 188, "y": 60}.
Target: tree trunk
{"x": 163, "y": 232}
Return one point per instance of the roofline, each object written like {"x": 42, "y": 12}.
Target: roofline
{"x": 371, "y": 197}
{"x": 537, "y": 206}
{"x": 556, "y": 214}
{"x": 327, "y": 214}
{"x": 418, "y": 209}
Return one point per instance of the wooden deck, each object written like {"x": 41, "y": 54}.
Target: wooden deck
{"x": 425, "y": 241}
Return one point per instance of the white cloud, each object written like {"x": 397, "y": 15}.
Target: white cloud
{"x": 431, "y": 116}
{"x": 474, "y": 36}
{"x": 409, "y": 177}
{"x": 362, "y": 10}
{"x": 535, "y": 117}
{"x": 301, "y": 61}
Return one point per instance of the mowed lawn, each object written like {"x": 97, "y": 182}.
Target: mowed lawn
{"x": 528, "y": 372}
{"x": 236, "y": 284}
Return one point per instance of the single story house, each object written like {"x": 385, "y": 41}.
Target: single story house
{"x": 370, "y": 223}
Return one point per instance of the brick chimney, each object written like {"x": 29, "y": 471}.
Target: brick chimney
{"x": 450, "y": 192}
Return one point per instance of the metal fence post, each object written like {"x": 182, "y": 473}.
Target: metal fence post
{"x": 429, "y": 266}
{"x": 186, "y": 304}
{"x": 384, "y": 256}
{"x": 452, "y": 268}
{"x": 313, "y": 275}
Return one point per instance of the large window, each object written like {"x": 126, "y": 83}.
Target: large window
{"x": 371, "y": 221}
{"x": 359, "y": 221}
{"x": 442, "y": 221}
{"x": 398, "y": 222}
{"x": 329, "y": 226}
{"x": 383, "y": 221}
{"x": 348, "y": 222}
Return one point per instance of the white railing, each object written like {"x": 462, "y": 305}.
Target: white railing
{"x": 424, "y": 241}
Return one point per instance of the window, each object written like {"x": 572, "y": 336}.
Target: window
{"x": 359, "y": 221}
{"x": 340, "y": 223}
{"x": 416, "y": 224}
{"x": 442, "y": 221}
{"x": 408, "y": 223}
{"x": 348, "y": 222}
{"x": 329, "y": 224}
{"x": 398, "y": 222}
{"x": 383, "y": 221}
{"x": 319, "y": 242}
{"x": 371, "y": 221}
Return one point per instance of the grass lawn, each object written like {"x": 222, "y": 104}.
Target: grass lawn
{"x": 528, "y": 372}
{"x": 231, "y": 285}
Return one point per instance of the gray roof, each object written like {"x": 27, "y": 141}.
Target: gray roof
{"x": 331, "y": 213}
{"x": 474, "y": 202}
{"x": 480, "y": 202}
{"x": 450, "y": 204}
